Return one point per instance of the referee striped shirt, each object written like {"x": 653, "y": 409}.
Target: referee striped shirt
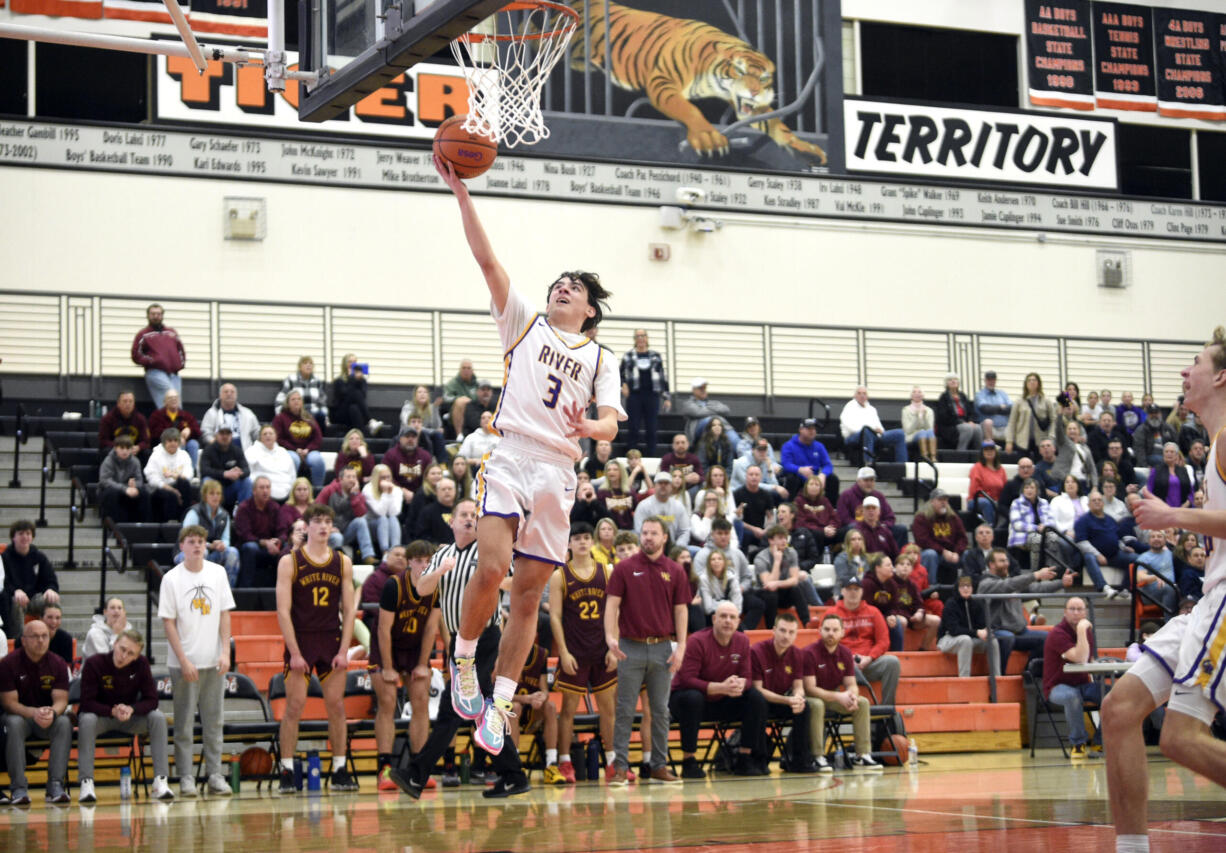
{"x": 451, "y": 585}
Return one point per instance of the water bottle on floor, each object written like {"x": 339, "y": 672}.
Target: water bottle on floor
{"x": 912, "y": 753}
{"x": 125, "y": 783}
{"x": 314, "y": 771}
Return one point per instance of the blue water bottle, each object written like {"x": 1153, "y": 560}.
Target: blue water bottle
{"x": 297, "y": 773}
{"x": 125, "y": 783}
{"x": 313, "y": 771}
{"x": 593, "y": 758}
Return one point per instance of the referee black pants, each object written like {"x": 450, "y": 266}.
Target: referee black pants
{"x": 506, "y": 763}
{"x": 691, "y": 708}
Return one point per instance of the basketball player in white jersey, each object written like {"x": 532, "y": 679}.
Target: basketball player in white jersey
{"x": 1186, "y": 660}
{"x": 552, "y": 371}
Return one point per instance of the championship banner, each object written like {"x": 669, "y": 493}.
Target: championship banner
{"x": 59, "y": 8}
{"x": 1124, "y": 57}
{"x": 1058, "y": 54}
{"x": 231, "y": 17}
{"x": 938, "y": 143}
{"x": 1188, "y": 52}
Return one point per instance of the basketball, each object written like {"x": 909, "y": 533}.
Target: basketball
{"x": 470, "y": 154}
{"x": 900, "y": 744}
{"x": 255, "y": 761}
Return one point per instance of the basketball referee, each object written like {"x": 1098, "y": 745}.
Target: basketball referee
{"x": 449, "y": 571}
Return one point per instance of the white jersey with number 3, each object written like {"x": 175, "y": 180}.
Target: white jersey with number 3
{"x": 1215, "y": 499}
{"x": 546, "y": 371}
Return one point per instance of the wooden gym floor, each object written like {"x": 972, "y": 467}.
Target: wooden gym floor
{"x": 1002, "y": 803}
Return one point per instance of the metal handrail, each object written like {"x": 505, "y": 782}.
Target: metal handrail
{"x": 820, "y": 402}
{"x": 936, "y": 479}
{"x": 975, "y": 503}
{"x": 76, "y": 512}
{"x": 50, "y": 465}
{"x": 1133, "y": 592}
{"x": 153, "y": 572}
{"x": 20, "y": 437}
{"x": 1051, "y": 531}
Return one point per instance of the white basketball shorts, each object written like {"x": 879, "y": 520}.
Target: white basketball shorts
{"x": 1200, "y": 677}
{"x": 524, "y": 479}
{"x": 1160, "y": 657}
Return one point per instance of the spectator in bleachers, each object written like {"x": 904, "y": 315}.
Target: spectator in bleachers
{"x": 484, "y": 401}
{"x": 964, "y": 630}
{"x": 355, "y": 454}
{"x": 1158, "y": 575}
{"x": 29, "y": 581}
{"x": 105, "y": 627}
{"x": 868, "y": 640}
{"x": 1029, "y": 516}
{"x": 750, "y": 438}
{"x": 804, "y": 457}
{"x": 226, "y": 409}
{"x": 458, "y": 392}
{"x": 718, "y": 583}
{"x": 1192, "y": 578}
{"x": 118, "y": 694}
{"x": 975, "y": 558}
{"x": 301, "y": 496}
{"x": 680, "y": 459}
{"x": 830, "y": 685}
{"x": 801, "y": 539}
{"x": 594, "y": 463}
{"x": 708, "y": 506}
{"x": 408, "y": 462}
{"x": 618, "y": 502}
{"x": 851, "y": 501}
{"x": 815, "y": 512}
{"x": 861, "y": 427}
{"x": 909, "y": 570}
{"x": 638, "y": 483}
{"x": 1150, "y": 436}
{"x": 1120, "y": 457}
{"x": 1071, "y": 641}
{"x": 919, "y": 425}
{"x": 313, "y": 389}
{"x": 34, "y": 698}
{"x": 878, "y": 539}
{"x": 395, "y": 561}
{"x": 428, "y": 421}
{"x": 213, "y": 518}
{"x": 663, "y": 505}
{"x": 987, "y": 476}
{"x": 384, "y": 500}
{"x": 480, "y": 442}
{"x": 461, "y": 472}
{"x": 881, "y": 590}
{"x": 268, "y": 459}
{"x": 1008, "y": 617}
{"x": 777, "y": 578}
{"x": 755, "y": 506}
{"x": 1191, "y": 434}
{"x": 1112, "y": 505}
{"x": 433, "y": 523}
{"x": 344, "y": 496}
{"x": 603, "y": 548}
{"x": 697, "y": 616}
{"x": 713, "y": 446}
{"x": 256, "y": 522}
{"x": 645, "y": 389}
{"x": 698, "y": 408}
{"x": 1072, "y": 453}
{"x": 1169, "y": 480}
{"x": 957, "y": 422}
{"x": 852, "y": 560}
{"x": 159, "y": 350}
{"x": 778, "y": 674}
{"x": 169, "y": 474}
{"x": 299, "y": 433}
{"x": 225, "y": 462}
{"x": 587, "y": 508}
{"x": 194, "y": 605}
{"x": 1049, "y": 483}
{"x": 1032, "y": 420}
{"x": 760, "y": 455}
{"x": 122, "y": 494}
{"x": 1067, "y": 507}
{"x": 993, "y": 404}
{"x": 941, "y": 536}
{"x": 1100, "y": 434}
{"x": 1128, "y": 415}
{"x": 751, "y": 605}
{"x": 1092, "y": 409}
{"x": 52, "y": 616}
{"x": 349, "y": 397}
{"x": 715, "y": 682}
{"x": 422, "y": 498}
{"x": 172, "y": 416}
{"x": 1197, "y": 457}
{"x": 124, "y": 420}
{"x": 715, "y": 482}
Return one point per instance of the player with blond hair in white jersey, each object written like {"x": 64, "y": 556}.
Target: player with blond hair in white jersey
{"x": 1185, "y": 662}
{"x": 526, "y": 486}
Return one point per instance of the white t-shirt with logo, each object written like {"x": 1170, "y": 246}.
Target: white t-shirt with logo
{"x": 195, "y": 600}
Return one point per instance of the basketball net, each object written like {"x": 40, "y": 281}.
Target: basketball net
{"x": 506, "y": 60}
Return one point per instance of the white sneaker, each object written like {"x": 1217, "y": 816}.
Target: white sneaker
{"x": 823, "y": 766}
{"x": 218, "y": 785}
{"x": 161, "y": 789}
{"x": 373, "y": 426}
{"x": 87, "y": 792}
{"x": 187, "y": 787}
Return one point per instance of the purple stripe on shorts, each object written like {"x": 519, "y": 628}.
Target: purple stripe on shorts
{"x": 1209, "y": 635}
{"x": 519, "y": 553}
{"x": 1158, "y": 658}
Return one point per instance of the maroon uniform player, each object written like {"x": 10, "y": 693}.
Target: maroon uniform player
{"x": 315, "y": 612}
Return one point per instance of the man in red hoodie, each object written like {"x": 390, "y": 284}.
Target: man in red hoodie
{"x": 159, "y": 349}
{"x": 866, "y": 636}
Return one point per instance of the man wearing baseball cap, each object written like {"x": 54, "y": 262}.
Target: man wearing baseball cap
{"x": 867, "y": 638}
{"x": 698, "y": 408}
{"x": 941, "y": 537}
{"x": 803, "y": 457}
{"x": 669, "y": 509}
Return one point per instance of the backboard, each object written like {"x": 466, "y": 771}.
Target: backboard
{"x": 367, "y": 43}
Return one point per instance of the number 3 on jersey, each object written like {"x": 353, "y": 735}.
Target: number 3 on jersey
{"x": 551, "y": 394}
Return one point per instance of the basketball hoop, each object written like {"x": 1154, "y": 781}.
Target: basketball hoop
{"x": 506, "y": 60}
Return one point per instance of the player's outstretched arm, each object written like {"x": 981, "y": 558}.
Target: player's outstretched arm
{"x": 495, "y": 276}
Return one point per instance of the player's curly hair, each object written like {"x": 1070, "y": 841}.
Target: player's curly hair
{"x": 1219, "y": 341}
{"x": 596, "y": 294}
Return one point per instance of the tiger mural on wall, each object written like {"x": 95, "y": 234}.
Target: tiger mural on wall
{"x": 675, "y": 61}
